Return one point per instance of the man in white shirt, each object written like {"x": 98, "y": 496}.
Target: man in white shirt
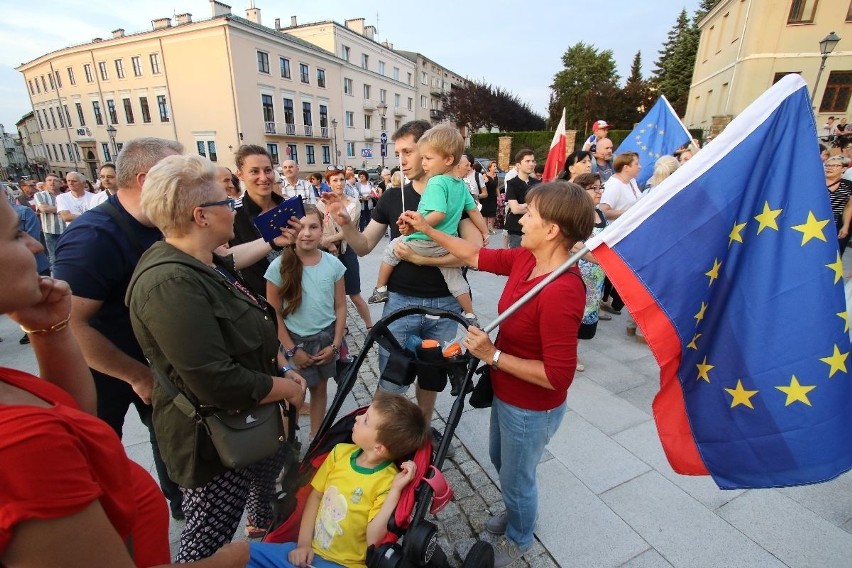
{"x": 76, "y": 200}
{"x": 620, "y": 191}
{"x": 291, "y": 185}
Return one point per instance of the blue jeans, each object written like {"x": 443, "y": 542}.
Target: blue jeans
{"x": 270, "y": 555}
{"x": 514, "y": 240}
{"x": 442, "y": 329}
{"x": 517, "y": 440}
{"x": 50, "y": 244}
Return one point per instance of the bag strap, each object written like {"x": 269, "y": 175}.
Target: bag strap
{"x": 122, "y": 223}
{"x": 181, "y": 401}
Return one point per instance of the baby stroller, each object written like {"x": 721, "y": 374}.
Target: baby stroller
{"x": 429, "y": 491}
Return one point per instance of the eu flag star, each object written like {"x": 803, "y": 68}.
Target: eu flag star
{"x": 767, "y": 218}
{"x": 736, "y": 233}
{"x": 796, "y": 392}
{"x": 713, "y": 273}
{"x": 837, "y": 267}
{"x": 700, "y": 315}
{"x": 837, "y": 361}
{"x": 811, "y": 229}
{"x": 703, "y": 370}
{"x": 845, "y": 317}
{"x": 741, "y": 395}
{"x": 692, "y": 344}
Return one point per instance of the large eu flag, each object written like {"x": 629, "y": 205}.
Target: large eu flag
{"x": 661, "y": 132}
{"x": 732, "y": 271}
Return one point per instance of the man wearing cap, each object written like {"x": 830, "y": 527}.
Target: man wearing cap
{"x": 599, "y": 129}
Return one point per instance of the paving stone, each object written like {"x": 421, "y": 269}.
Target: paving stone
{"x": 608, "y": 412}
{"x": 648, "y": 559}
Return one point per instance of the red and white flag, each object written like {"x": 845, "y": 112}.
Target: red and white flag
{"x": 556, "y": 155}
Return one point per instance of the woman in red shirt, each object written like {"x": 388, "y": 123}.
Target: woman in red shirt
{"x": 535, "y": 355}
{"x": 69, "y": 495}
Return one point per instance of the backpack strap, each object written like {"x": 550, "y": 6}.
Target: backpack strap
{"x": 122, "y": 223}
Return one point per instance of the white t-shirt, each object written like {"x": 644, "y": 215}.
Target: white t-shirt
{"x": 619, "y": 195}
{"x": 76, "y": 205}
{"x": 474, "y": 183}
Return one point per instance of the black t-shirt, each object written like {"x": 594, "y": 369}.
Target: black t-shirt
{"x": 407, "y": 278}
{"x": 245, "y": 231}
{"x": 516, "y": 189}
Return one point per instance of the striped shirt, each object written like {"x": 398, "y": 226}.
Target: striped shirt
{"x": 838, "y": 199}
{"x": 51, "y": 223}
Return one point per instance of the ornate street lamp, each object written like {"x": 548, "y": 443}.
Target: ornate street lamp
{"x": 383, "y": 109}
{"x": 826, "y": 46}
{"x": 334, "y": 129}
{"x": 111, "y": 131}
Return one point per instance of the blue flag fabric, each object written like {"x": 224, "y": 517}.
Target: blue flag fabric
{"x": 661, "y": 132}
{"x": 732, "y": 270}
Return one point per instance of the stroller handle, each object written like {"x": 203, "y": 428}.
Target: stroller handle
{"x": 418, "y": 310}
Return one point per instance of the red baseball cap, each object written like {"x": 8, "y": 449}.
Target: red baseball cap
{"x": 598, "y": 124}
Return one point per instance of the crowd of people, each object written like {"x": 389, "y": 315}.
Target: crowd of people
{"x": 160, "y": 276}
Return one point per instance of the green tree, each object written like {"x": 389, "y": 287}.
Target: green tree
{"x": 672, "y": 74}
{"x": 634, "y": 100}
{"x": 479, "y": 104}
{"x": 586, "y": 86}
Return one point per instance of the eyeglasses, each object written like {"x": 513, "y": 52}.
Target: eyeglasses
{"x": 333, "y": 168}
{"x": 230, "y": 202}
{"x": 595, "y": 188}
{"x": 834, "y": 165}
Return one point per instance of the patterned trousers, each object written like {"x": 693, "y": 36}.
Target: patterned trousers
{"x": 213, "y": 511}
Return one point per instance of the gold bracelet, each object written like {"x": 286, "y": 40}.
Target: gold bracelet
{"x": 47, "y": 331}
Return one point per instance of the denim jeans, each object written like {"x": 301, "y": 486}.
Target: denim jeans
{"x": 273, "y": 555}
{"x": 442, "y": 329}
{"x": 50, "y": 244}
{"x": 517, "y": 440}
{"x": 514, "y": 240}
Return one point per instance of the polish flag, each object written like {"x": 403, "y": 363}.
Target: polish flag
{"x": 556, "y": 155}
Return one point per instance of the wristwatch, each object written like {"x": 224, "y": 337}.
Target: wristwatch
{"x": 283, "y": 370}
{"x": 496, "y": 359}
{"x": 290, "y": 352}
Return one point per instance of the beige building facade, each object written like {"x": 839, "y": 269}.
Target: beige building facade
{"x": 747, "y": 45}
{"x": 432, "y": 81}
{"x": 34, "y": 149}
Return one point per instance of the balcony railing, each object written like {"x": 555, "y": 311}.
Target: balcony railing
{"x": 269, "y": 127}
{"x": 290, "y": 129}
{"x": 309, "y": 130}
{"x": 323, "y": 132}
{"x": 369, "y": 105}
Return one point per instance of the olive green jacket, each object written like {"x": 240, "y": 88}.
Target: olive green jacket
{"x": 217, "y": 345}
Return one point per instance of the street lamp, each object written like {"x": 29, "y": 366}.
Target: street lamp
{"x": 383, "y": 108}
{"x": 826, "y": 46}
{"x": 334, "y": 128}
{"x": 111, "y": 131}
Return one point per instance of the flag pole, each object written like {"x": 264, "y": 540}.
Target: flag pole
{"x": 559, "y": 271}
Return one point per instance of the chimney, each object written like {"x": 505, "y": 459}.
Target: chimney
{"x": 219, "y": 9}
{"x": 184, "y": 18}
{"x": 356, "y": 25}
{"x": 253, "y": 14}
{"x": 293, "y": 22}
{"x": 370, "y": 32}
{"x": 277, "y": 24}
{"x": 162, "y": 23}
{"x": 387, "y": 44}
{"x": 118, "y": 33}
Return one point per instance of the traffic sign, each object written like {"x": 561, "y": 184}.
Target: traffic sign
{"x": 384, "y": 137}
{"x": 384, "y": 151}
{"x": 366, "y": 153}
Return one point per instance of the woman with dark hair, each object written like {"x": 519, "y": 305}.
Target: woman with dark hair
{"x": 579, "y": 162}
{"x": 535, "y": 355}
{"x": 489, "y": 203}
{"x": 333, "y": 242}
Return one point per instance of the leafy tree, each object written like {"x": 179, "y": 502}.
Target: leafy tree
{"x": 586, "y": 86}
{"x": 479, "y": 104}
{"x": 635, "y": 99}
{"x": 673, "y": 72}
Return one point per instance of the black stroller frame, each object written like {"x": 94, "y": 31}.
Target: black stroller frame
{"x": 420, "y": 540}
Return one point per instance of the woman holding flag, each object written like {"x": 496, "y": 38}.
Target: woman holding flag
{"x": 535, "y": 355}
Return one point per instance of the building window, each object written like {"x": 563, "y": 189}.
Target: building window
{"x": 366, "y": 92}
{"x": 368, "y": 121}
{"x": 289, "y": 116}
{"x": 350, "y": 119}
{"x": 307, "y": 118}
{"x": 40, "y": 123}
{"x": 52, "y": 117}
{"x": 273, "y": 153}
{"x": 350, "y": 149}
{"x": 71, "y": 78}
{"x": 779, "y": 76}
{"x": 263, "y": 62}
{"x": 62, "y": 150}
{"x": 105, "y": 149}
{"x": 128, "y": 111}
{"x": 849, "y": 13}
{"x": 326, "y": 154}
{"x": 146, "y": 112}
{"x": 202, "y": 147}
{"x": 268, "y": 111}
{"x": 164, "y": 109}
{"x": 383, "y": 96}
{"x": 323, "y": 112}
{"x": 802, "y": 11}
{"x": 113, "y": 116}
{"x": 58, "y": 78}
{"x": 87, "y": 70}
{"x": 137, "y": 66}
{"x": 207, "y": 148}
{"x": 837, "y": 92}
{"x": 396, "y": 100}
{"x": 61, "y": 118}
{"x": 410, "y": 103}
{"x": 310, "y": 158}
{"x": 102, "y": 69}
{"x": 321, "y": 78}
{"x": 423, "y": 102}
{"x": 382, "y": 68}
{"x": 77, "y": 152}
{"x": 46, "y": 120}
{"x": 67, "y": 115}
{"x": 119, "y": 68}
{"x": 396, "y": 73}
{"x": 80, "y": 114}
{"x": 293, "y": 152}
{"x": 409, "y": 78}
{"x": 155, "y": 63}
{"x": 43, "y": 84}
{"x": 365, "y": 61}
{"x": 32, "y": 89}
{"x": 345, "y": 52}
{"x": 384, "y": 123}
{"x": 38, "y": 87}
{"x": 424, "y": 79}
{"x": 284, "y": 63}
{"x": 70, "y": 152}
{"x": 305, "y": 73}
{"x": 52, "y": 83}
{"x": 347, "y": 86}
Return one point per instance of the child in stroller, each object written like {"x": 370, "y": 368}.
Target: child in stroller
{"x": 355, "y": 490}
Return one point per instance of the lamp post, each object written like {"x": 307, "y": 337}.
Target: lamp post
{"x": 826, "y": 46}
{"x": 111, "y": 131}
{"x": 334, "y": 129}
{"x": 383, "y": 108}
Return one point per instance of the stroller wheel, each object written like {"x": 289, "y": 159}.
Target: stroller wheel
{"x": 388, "y": 555}
{"x": 481, "y": 555}
{"x": 421, "y": 541}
